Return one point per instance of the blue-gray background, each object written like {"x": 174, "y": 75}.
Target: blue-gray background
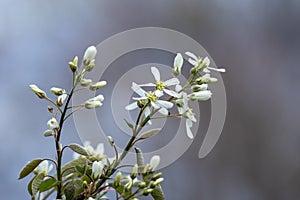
{"x": 257, "y": 156}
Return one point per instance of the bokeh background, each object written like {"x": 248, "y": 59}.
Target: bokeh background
{"x": 258, "y": 41}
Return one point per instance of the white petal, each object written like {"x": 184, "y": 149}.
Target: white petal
{"x": 191, "y": 55}
{"x": 137, "y": 89}
{"x": 188, "y": 125}
{"x": 206, "y": 61}
{"x": 216, "y": 69}
{"x": 147, "y": 113}
{"x": 100, "y": 149}
{"x": 50, "y": 168}
{"x": 205, "y": 70}
{"x": 165, "y": 104}
{"x": 154, "y": 105}
{"x": 147, "y": 84}
{"x": 172, "y": 93}
{"x": 193, "y": 62}
{"x": 178, "y": 88}
{"x": 163, "y": 111}
{"x": 158, "y": 93}
{"x": 178, "y": 61}
{"x": 139, "y": 98}
{"x": 131, "y": 106}
{"x": 172, "y": 81}
{"x": 155, "y": 73}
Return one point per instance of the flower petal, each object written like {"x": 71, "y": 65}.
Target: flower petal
{"x": 163, "y": 111}
{"x": 137, "y": 89}
{"x": 155, "y": 73}
{"x": 172, "y": 81}
{"x": 188, "y": 125}
{"x": 193, "y": 62}
{"x": 131, "y": 106}
{"x": 172, "y": 93}
{"x": 191, "y": 55}
{"x": 216, "y": 69}
{"x": 147, "y": 84}
{"x": 165, "y": 104}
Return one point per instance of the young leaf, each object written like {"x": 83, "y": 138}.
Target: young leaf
{"x": 70, "y": 166}
{"x": 150, "y": 133}
{"x": 29, "y": 168}
{"x": 48, "y": 184}
{"x": 129, "y": 124}
{"x": 36, "y": 183}
{"x": 29, "y": 186}
{"x": 139, "y": 159}
{"x": 158, "y": 193}
{"x": 78, "y": 149}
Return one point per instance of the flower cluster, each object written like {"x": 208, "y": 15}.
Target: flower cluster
{"x": 195, "y": 89}
{"x": 91, "y": 175}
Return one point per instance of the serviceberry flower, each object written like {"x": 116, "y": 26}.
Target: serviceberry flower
{"x": 186, "y": 112}
{"x": 40, "y": 93}
{"x": 178, "y": 62}
{"x": 94, "y": 102}
{"x": 97, "y": 169}
{"x": 161, "y": 85}
{"x": 200, "y": 96}
{"x": 52, "y": 124}
{"x": 98, "y": 153}
{"x": 149, "y": 97}
{"x": 154, "y": 162}
{"x": 90, "y": 53}
{"x": 43, "y": 167}
{"x": 202, "y": 64}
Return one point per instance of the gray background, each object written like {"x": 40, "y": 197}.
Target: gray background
{"x": 257, "y": 41}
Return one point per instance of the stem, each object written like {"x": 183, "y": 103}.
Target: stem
{"x": 58, "y": 146}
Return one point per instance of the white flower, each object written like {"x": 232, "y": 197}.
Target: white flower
{"x": 90, "y": 198}
{"x": 154, "y": 162}
{"x": 186, "y": 112}
{"x": 40, "y": 93}
{"x": 178, "y": 62}
{"x": 94, "y": 102}
{"x": 197, "y": 88}
{"x": 206, "y": 78}
{"x": 97, "y": 169}
{"x": 98, "y": 153}
{"x": 61, "y": 98}
{"x": 161, "y": 85}
{"x": 202, "y": 63}
{"x": 152, "y": 97}
{"x": 52, "y": 124}
{"x": 200, "y": 96}
{"x": 90, "y": 53}
{"x": 43, "y": 167}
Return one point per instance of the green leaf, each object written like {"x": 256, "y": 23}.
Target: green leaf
{"x": 36, "y": 183}
{"x": 70, "y": 167}
{"x": 48, "y": 184}
{"x": 158, "y": 193}
{"x": 129, "y": 124}
{"x": 78, "y": 149}
{"x": 81, "y": 170}
{"x": 29, "y": 186}
{"x": 69, "y": 191}
{"x": 139, "y": 159}
{"x": 150, "y": 133}
{"x": 29, "y": 168}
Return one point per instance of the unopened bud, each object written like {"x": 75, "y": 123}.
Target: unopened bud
{"x": 154, "y": 162}
{"x": 98, "y": 85}
{"x": 40, "y": 93}
{"x": 56, "y": 91}
{"x": 85, "y": 82}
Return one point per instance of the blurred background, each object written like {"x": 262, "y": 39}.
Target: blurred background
{"x": 257, "y": 156}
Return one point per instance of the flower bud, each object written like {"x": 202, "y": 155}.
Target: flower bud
{"x": 154, "y": 162}
{"x": 89, "y": 54}
{"x": 194, "y": 71}
{"x": 98, "y": 85}
{"x": 48, "y": 133}
{"x": 97, "y": 169}
{"x": 74, "y": 65}
{"x": 90, "y": 66}
{"x": 111, "y": 141}
{"x": 56, "y": 91}
{"x": 159, "y": 181}
{"x": 92, "y": 104}
{"x": 178, "y": 62}
{"x": 200, "y": 96}
{"x": 118, "y": 178}
{"x": 142, "y": 185}
{"x": 40, "y": 93}
{"x": 52, "y": 124}
{"x": 85, "y": 82}
{"x": 61, "y": 98}
{"x": 197, "y": 88}
{"x": 156, "y": 176}
{"x": 147, "y": 191}
{"x": 50, "y": 109}
{"x": 100, "y": 98}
